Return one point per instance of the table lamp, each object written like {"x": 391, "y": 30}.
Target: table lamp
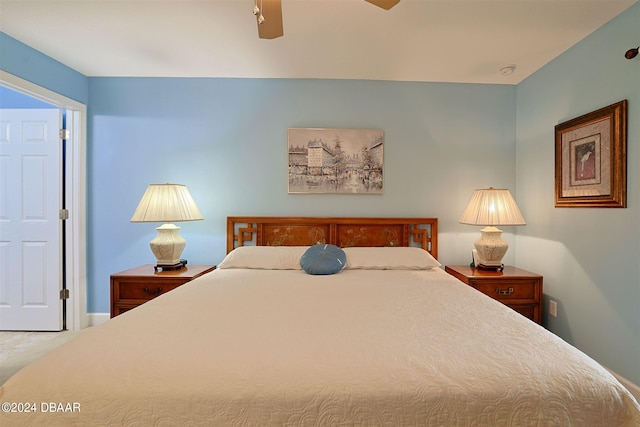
{"x": 167, "y": 203}
{"x": 491, "y": 207}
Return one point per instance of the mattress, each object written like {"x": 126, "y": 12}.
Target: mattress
{"x": 281, "y": 347}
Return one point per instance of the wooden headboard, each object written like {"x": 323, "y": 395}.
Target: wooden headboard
{"x": 343, "y": 232}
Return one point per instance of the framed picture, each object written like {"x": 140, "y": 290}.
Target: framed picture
{"x": 336, "y": 161}
{"x": 591, "y": 159}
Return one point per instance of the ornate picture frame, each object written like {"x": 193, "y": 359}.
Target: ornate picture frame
{"x": 336, "y": 161}
{"x": 591, "y": 159}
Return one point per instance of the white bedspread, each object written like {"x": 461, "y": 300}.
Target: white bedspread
{"x": 262, "y": 347}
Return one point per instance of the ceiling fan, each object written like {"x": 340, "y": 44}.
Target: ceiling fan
{"x": 269, "y": 16}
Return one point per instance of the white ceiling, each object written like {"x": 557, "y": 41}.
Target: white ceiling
{"x": 417, "y": 40}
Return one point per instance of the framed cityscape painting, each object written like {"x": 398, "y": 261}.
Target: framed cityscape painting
{"x": 336, "y": 161}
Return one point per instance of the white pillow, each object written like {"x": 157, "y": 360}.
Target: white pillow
{"x": 389, "y": 258}
{"x": 265, "y": 257}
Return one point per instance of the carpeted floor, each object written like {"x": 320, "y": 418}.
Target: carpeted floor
{"x": 17, "y": 349}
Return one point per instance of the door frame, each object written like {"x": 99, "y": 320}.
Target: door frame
{"x": 75, "y": 188}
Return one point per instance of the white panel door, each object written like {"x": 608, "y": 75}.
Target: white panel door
{"x": 30, "y": 228}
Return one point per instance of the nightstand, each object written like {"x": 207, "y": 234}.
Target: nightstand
{"x": 131, "y": 288}
{"x": 519, "y": 289}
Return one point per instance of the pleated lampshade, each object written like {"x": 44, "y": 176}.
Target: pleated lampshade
{"x": 492, "y": 207}
{"x": 166, "y": 203}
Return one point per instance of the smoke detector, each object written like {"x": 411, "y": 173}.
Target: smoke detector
{"x": 507, "y": 70}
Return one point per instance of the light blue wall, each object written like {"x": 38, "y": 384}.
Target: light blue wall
{"x": 590, "y": 258}
{"x": 29, "y": 64}
{"x": 226, "y": 139}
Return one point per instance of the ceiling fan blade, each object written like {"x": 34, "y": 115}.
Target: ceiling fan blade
{"x": 271, "y": 28}
{"x": 385, "y": 4}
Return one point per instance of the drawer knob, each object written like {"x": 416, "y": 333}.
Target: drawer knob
{"x": 504, "y": 291}
{"x": 152, "y": 291}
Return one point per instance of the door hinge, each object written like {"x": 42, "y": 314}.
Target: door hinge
{"x": 64, "y": 134}
{"x": 64, "y": 214}
{"x": 64, "y": 293}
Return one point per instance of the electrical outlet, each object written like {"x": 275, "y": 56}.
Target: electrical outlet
{"x": 553, "y": 308}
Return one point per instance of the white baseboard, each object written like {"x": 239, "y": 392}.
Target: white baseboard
{"x": 96, "y": 319}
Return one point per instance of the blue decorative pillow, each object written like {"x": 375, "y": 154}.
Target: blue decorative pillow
{"x": 323, "y": 259}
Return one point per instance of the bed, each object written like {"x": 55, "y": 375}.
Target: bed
{"x": 389, "y": 339}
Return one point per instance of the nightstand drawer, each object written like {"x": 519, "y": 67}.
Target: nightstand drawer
{"x": 519, "y": 289}
{"x": 530, "y": 311}
{"x": 506, "y": 290}
{"x": 142, "y": 290}
{"x": 136, "y": 286}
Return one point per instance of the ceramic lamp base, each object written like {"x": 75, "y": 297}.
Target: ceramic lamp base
{"x": 491, "y": 249}
{"x": 168, "y": 245}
